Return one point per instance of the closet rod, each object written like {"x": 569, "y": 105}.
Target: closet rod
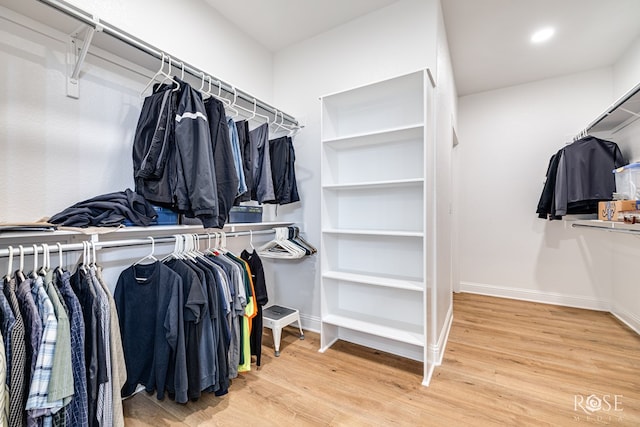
{"x": 135, "y": 42}
{"x": 71, "y": 247}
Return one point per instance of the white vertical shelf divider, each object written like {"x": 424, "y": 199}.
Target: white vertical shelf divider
{"x": 377, "y": 214}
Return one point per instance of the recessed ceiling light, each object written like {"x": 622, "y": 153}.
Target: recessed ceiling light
{"x": 542, "y": 35}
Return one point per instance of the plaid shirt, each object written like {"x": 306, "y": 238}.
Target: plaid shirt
{"x": 77, "y": 412}
{"x": 4, "y": 390}
{"x": 18, "y": 358}
{"x": 33, "y": 328}
{"x": 38, "y": 403}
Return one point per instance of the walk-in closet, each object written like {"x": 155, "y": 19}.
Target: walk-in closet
{"x": 385, "y": 212}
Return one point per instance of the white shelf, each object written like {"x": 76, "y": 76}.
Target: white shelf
{"x": 398, "y": 331}
{"x": 375, "y": 108}
{"x": 375, "y": 184}
{"x": 376, "y": 155}
{"x": 611, "y": 226}
{"x": 409, "y": 284}
{"x": 390, "y": 233}
{"x": 155, "y": 230}
{"x": 377, "y": 136}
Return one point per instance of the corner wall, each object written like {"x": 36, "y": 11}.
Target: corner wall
{"x": 392, "y": 41}
{"x": 506, "y": 139}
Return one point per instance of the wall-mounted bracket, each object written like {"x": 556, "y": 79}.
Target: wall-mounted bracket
{"x": 76, "y": 53}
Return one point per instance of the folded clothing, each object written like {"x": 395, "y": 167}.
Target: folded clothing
{"x": 107, "y": 210}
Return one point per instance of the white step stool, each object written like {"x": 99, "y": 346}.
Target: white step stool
{"x": 276, "y": 317}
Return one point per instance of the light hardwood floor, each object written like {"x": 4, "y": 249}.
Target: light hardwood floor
{"x": 507, "y": 363}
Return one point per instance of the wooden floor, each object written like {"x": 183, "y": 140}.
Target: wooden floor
{"x": 507, "y": 363}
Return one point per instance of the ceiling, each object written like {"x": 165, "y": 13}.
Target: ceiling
{"x": 490, "y": 47}
{"x": 488, "y": 39}
{"x": 277, "y": 24}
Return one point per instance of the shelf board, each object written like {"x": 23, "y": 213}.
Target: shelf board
{"x": 391, "y": 233}
{"x": 378, "y": 136}
{"x": 409, "y": 284}
{"x": 375, "y": 184}
{"x": 155, "y": 230}
{"x": 611, "y": 226}
{"x": 398, "y": 333}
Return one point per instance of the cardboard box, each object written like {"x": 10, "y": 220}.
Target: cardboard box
{"x": 612, "y": 211}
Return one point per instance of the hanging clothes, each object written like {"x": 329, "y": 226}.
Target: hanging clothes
{"x": 154, "y": 148}
{"x": 578, "y": 177}
{"x": 4, "y": 389}
{"x": 33, "y": 336}
{"x": 262, "y": 298}
{"x": 263, "y": 190}
{"x": 173, "y": 157}
{"x": 61, "y": 381}
{"x": 95, "y": 352}
{"x": 237, "y": 157}
{"x": 242, "y": 128}
{"x": 104, "y": 405}
{"x": 194, "y": 310}
{"x": 18, "y": 360}
{"x": 149, "y": 298}
{"x": 118, "y": 366}
{"x": 226, "y": 177}
{"x": 77, "y": 412}
{"x": 283, "y": 172}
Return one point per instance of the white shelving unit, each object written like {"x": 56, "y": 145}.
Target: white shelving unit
{"x": 377, "y": 145}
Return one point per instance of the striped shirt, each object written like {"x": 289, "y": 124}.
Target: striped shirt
{"x": 105, "y": 392}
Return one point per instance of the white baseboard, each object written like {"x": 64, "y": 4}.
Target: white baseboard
{"x": 436, "y": 352}
{"x": 535, "y": 296}
{"x": 629, "y": 319}
{"x": 310, "y": 323}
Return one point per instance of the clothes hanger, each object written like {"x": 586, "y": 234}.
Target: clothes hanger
{"x": 46, "y": 260}
{"x": 60, "y": 261}
{"x": 9, "y": 264}
{"x": 280, "y": 247}
{"x": 34, "y": 272}
{"x": 83, "y": 264}
{"x": 232, "y": 105}
{"x": 168, "y": 76}
{"x": 150, "y": 256}
{"x": 94, "y": 256}
{"x": 161, "y": 72}
{"x": 281, "y": 125}
{"x": 251, "y": 240}
{"x": 20, "y": 273}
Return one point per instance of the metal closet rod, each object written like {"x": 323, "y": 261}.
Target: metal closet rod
{"x": 117, "y": 33}
{"x": 71, "y": 247}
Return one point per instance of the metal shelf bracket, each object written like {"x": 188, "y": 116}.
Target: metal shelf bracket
{"x": 76, "y": 54}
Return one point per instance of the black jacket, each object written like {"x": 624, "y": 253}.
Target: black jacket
{"x": 583, "y": 177}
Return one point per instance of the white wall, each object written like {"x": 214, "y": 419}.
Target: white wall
{"x": 626, "y": 248}
{"x": 395, "y": 40}
{"x": 506, "y": 139}
{"x": 626, "y": 72}
{"x": 446, "y": 116}
{"x": 56, "y": 150}
{"x": 196, "y": 33}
